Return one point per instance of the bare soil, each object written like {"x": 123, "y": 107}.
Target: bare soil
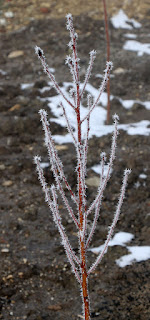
{"x": 36, "y": 282}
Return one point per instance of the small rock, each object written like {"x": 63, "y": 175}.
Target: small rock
{"x": 15, "y": 107}
{"x": 44, "y": 10}
{"x": 60, "y": 10}
{"x": 93, "y": 182}
{"x": 5, "y": 250}
{"x": 20, "y": 274}
{"x": 10, "y": 276}
{"x": 55, "y": 307}
{"x": 7, "y": 183}
{"x": 9, "y": 14}
{"x": 61, "y": 147}
{"x": 2, "y": 167}
{"x": 15, "y": 54}
{"x": 2, "y": 22}
{"x": 119, "y": 71}
{"x": 24, "y": 260}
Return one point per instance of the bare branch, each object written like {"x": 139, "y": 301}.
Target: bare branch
{"x": 70, "y": 130}
{"x": 54, "y": 159}
{"x": 70, "y": 63}
{"x": 98, "y": 205}
{"x": 41, "y": 56}
{"x": 112, "y": 157}
{"x": 85, "y": 146}
{"x": 65, "y": 239}
{"x": 102, "y": 87}
{"x": 56, "y": 217}
{"x": 55, "y": 165}
{"x": 88, "y": 73}
{"x": 73, "y": 46}
{"x": 116, "y": 217}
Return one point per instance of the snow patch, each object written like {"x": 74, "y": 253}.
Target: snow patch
{"x": 140, "y": 48}
{"x": 98, "y": 169}
{"x": 44, "y": 165}
{"x": 98, "y": 127}
{"x": 2, "y": 72}
{"x": 25, "y": 86}
{"x": 127, "y": 104}
{"x": 143, "y": 176}
{"x": 121, "y": 20}
{"x": 119, "y": 239}
{"x": 130, "y": 35}
{"x": 136, "y": 254}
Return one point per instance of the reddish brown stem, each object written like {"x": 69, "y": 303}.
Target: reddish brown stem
{"x": 82, "y": 243}
{"x": 108, "y": 58}
{"x": 81, "y": 218}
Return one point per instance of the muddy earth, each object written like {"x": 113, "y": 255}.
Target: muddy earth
{"x": 36, "y": 282}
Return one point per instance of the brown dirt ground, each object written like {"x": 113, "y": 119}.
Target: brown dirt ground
{"x": 36, "y": 282}
{"x": 26, "y": 11}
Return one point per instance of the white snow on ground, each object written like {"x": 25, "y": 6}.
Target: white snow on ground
{"x": 121, "y": 20}
{"x": 44, "y": 164}
{"x": 98, "y": 116}
{"x": 44, "y": 89}
{"x": 97, "y": 168}
{"x": 136, "y": 254}
{"x": 99, "y": 75}
{"x": 140, "y": 48}
{"x": 143, "y": 176}
{"x": 127, "y": 104}
{"x": 119, "y": 239}
{"x": 2, "y": 72}
{"x": 130, "y": 35}
{"x": 25, "y": 86}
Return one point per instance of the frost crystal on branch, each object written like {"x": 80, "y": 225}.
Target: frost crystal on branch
{"x": 80, "y": 214}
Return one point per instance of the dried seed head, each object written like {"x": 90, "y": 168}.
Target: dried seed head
{"x": 115, "y": 117}
{"x": 39, "y": 52}
{"x": 127, "y": 171}
{"x": 93, "y": 54}
{"x": 109, "y": 64}
{"x": 36, "y": 159}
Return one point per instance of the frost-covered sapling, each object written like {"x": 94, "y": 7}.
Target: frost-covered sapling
{"x": 81, "y": 214}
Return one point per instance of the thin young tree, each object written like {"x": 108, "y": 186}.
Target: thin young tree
{"x": 80, "y": 215}
{"x": 108, "y": 57}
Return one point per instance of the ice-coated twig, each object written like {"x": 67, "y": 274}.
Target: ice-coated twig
{"x": 110, "y": 164}
{"x": 103, "y": 160}
{"x": 73, "y": 46}
{"x": 54, "y": 159}
{"x": 89, "y": 69}
{"x": 41, "y": 56}
{"x": 54, "y": 165}
{"x": 66, "y": 242}
{"x": 98, "y": 205}
{"x": 46, "y": 190}
{"x": 70, "y": 63}
{"x": 116, "y": 217}
{"x": 70, "y": 130}
{"x": 109, "y": 66}
{"x": 84, "y": 162}
{"x": 56, "y": 217}
{"x": 85, "y": 145}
